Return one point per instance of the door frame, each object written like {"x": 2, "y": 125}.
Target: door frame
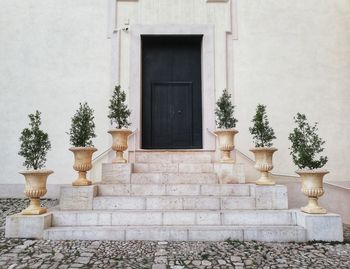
{"x": 208, "y": 76}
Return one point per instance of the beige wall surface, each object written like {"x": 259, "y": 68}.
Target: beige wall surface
{"x": 53, "y": 55}
{"x": 293, "y": 56}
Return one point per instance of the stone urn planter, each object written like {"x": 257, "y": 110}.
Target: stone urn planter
{"x": 263, "y": 163}
{"x": 120, "y": 143}
{"x": 34, "y": 189}
{"x": 312, "y": 187}
{"x": 82, "y": 164}
{"x": 226, "y": 143}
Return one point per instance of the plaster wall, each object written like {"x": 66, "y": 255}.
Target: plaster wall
{"x": 294, "y": 56}
{"x": 53, "y": 55}
{"x": 290, "y": 55}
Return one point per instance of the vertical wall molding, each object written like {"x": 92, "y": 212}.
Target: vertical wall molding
{"x": 111, "y": 17}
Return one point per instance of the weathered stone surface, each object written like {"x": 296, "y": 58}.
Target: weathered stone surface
{"x": 270, "y": 197}
{"x": 27, "y": 226}
{"x": 81, "y": 197}
{"x": 116, "y": 172}
{"x": 325, "y": 227}
{"x": 229, "y": 173}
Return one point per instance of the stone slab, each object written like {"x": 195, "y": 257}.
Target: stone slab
{"x": 179, "y": 233}
{"x": 215, "y": 235}
{"x": 77, "y": 197}
{"x": 116, "y": 172}
{"x": 230, "y": 173}
{"x": 270, "y": 197}
{"x": 275, "y": 234}
{"x": 174, "y": 178}
{"x": 173, "y": 156}
{"x": 109, "y": 189}
{"x": 173, "y": 217}
{"x": 119, "y": 202}
{"x": 322, "y": 227}
{"x": 27, "y": 226}
{"x": 167, "y": 202}
{"x": 258, "y": 217}
{"x": 84, "y": 233}
{"x": 232, "y": 203}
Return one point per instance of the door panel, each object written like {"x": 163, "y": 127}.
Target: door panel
{"x": 171, "y": 92}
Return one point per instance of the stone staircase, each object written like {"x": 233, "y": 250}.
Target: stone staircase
{"x": 178, "y": 196}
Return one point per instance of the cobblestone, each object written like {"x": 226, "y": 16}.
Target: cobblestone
{"x": 24, "y": 253}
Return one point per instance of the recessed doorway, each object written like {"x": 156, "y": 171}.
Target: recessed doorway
{"x": 171, "y": 92}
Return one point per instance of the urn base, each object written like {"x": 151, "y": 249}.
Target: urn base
{"x": 119, "y": 158}
{"x": 82, "y": 182}
{"x": 34, "y": 208}
{"x": 265, "y": 181}
{"x": 313, "y": 208}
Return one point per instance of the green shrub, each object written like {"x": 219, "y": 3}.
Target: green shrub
{"x": 224, "y": 112}
{"x": 34, "y": 143}
{"x": 306, "y": 145}
{"x": 82, "y": 127}
{"x": 118, "y": 110}
{"x": 262, "y": 133}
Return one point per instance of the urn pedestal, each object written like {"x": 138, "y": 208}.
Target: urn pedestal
{"x": 226, "y": 143}
{"x": 312, "y": 187}
{"x": 34, "y": 189}
{"x": 82, "y": 164}
{"x": 120, "y": 143}
{"x": 263, "y": 163}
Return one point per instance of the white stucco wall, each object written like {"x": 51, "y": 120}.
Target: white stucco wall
{"x": 290, "y": 55}
{"x": 53, "y": 55}
{"x": 294, "y": 56}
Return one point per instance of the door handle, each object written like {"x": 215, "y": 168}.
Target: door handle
{"x": 179, "y": 112}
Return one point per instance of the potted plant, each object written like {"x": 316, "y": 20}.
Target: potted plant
{"x": 81, "y": 132}
{"x": 305, "y": 149}
{"x": 34, "y": 146}
{"x": 225, "y": 122}
{"x": 119, "y": 114}
{"x": 263, "y": 135}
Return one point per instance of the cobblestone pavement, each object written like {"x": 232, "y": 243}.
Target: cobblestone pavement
{"x": 22, "y": 253}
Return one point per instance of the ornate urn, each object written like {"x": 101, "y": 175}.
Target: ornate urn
{"x": 226, "y": 143}
{"x": 120, "y": 143}
{"x": 34, "y": 189}
{"x": 82, "y": 164}
{"x": 312, "y": 187}
{"x": 263, "y": 163}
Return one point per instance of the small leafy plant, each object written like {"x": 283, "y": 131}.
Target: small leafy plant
{"x": 34, "y": 143}
{"x": 262, "y": 133}
{"x": 224, "y": 112}
{"x": 82, "y": 127}
{"x": 118, "y": 110}
{"x": 306, "y": 145}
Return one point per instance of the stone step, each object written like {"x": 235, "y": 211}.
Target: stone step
{"x": 174, "y": 178}
{"x": 174, "y": 189}
{"x": 173, "y": 217}
{"x": 174, "y": 167}
{"x": 173, "y": 202}
{"x": 172, "y": 156}
{"x": 184, "y": 173}
{"x": 178, "y": 233}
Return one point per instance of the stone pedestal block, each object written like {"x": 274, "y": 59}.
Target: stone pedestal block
{"x": 27, "y": 226}
{"x": 229, "y": 173}
{"x": 270, "y": 197}
{"x": 77, "y": 197}
{"x": 322, "y": 227}
{"x": 116, "y": 172}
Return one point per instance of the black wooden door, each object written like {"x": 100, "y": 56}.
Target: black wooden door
{"x": 171, "y": 92}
